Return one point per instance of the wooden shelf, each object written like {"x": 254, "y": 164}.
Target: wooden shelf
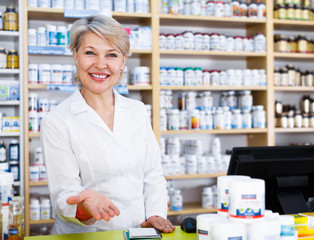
{"x": 133, "y": 87}
{"x": 141, "y": 51}
{"x": 43, "y": 183}
{"x": 133, "y": 15}
{"x": 215, "y": 131}
{"x": 9, "y": 134}
{"x": 9, "y": 33}
{"x": 9, "y": 71}
{"x": 213, "y": 19}
{"x": 9, "y": 103}
{"x": 294, "y": 130}
{"x": 35, "y": 222}
{"x": 192, "y": 208}
{"x": 213, "y": 88}
{"x": 34, "y": 134}
{"x": 294, "y": 55}
{"x": 293, "y": 23}
{"x": 214, "y": 175}
{"x": 294, "y": 89}
{"x": 212, "y": 53}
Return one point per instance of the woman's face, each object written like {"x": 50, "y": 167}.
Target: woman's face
{"x": 98, "y": 64}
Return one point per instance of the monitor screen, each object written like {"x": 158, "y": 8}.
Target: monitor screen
{"x": 288, "y": 172}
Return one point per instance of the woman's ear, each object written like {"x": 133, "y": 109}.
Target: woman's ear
{"x": 75, "y": 55}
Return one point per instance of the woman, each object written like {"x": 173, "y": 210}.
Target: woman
{"x": 101, "y": 155}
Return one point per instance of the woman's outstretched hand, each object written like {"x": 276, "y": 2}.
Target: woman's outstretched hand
{"x": 160, "y": 223}
{"x": 96, "y": 204}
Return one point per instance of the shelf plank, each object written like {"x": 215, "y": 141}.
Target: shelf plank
{"x": 212, "y": 53}
{"x": 34, "y": 134}
{"x": 213, "y": 88}
{"x": 141, "y": 51}
{"x": 133, "y": 87}
{"x": 9, "y": 134}
{"x": 9, "y": 103}
{"x": 35, "y": 222}
{"x": 45, "y": 10}
{"x": 9, "y": 33}
{"x": 214, "y": 175}
{"x": 215, "y": 131}
{"x": 294, "y": 89}
{"x": 288, "y": 23}
{"x": 9, "y": 71}
{"x": 294, "y": 130}
{"x": 214, "y": 19}
{"x": 294, "y": 55}
{"x": 192, "y": 208}
{"x": 133, "y": 15}
{"x": 43, "y": 183}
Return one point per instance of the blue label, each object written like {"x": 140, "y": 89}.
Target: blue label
{"x": 248, "y": 196}
{"x": 13, "y": 231}
{"x": 234, "y": 238}
{"x": 287, "y": 230}
{"x": 248, "y": 212}
{"x": 202, "y": 232}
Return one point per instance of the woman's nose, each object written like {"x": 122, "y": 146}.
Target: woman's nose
{"x": 101, "y": 62}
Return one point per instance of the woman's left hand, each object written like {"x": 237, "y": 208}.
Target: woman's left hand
{"x": 160, "y": 223}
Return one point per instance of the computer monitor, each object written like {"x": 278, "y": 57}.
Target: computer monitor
{"x": 288, "y": 172}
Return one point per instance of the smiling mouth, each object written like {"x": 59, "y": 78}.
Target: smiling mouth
{"x": 99, "y": 77}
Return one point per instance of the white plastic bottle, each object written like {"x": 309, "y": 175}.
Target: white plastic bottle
{"x": 45, "y": 209}
{"x": 177, "y": 201}
{"x": 34, "y": 209}
{"x": 207, "y": 198}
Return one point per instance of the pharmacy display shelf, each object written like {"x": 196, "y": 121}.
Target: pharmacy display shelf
{"x": 212, "y": 53}
{"x": 36, "y": 222}
{"x": 212, "y": 88}
{"x": 212, "y": 19}
{"x": 294, "y": 89}
{"x": 186, "y": 176}
{"x": 9, "y": 134}
{"x": 216, "y": 131}
{"x": 294, "y": 130}
{"x": 34, "y": 134}
{"x": 41, "y": 183}
{"x": 9, "y": 71}
{"x": 9, "y": 103}
{"x": 9, "y": 33}
{"x": 294, "y": 55}
{"x": 192, "y": 208}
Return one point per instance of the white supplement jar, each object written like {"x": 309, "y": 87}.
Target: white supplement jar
{"x": 34, "y": 209}
{"x": 141, "y": 76}
{"x": 32, "y": 37}
{"x": 227, "y": 230}
{"x": 223, "y": 189}
{"x": 56, "y": 74}
{"x": 33, "y": 174}
{"x": 45, "y": 209}
{"x": 247, "y": 200}
{"x": 41, "y": 36}
{"x": 33, "y": 74}
{"x": 44, "y": 72}
{"x": 204, "y": 224}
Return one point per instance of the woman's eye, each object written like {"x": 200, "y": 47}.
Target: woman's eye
{"x": 89, "y": 53}
{"x": 112, "y": 55}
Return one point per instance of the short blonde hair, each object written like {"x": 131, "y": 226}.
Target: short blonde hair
{"x": 105, "y": 27}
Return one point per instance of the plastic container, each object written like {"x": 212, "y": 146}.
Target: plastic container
{"x": 45, "y": 209}
{"x": 223, "y": 189}
{"x": 141, "y": 76}
{"x": 204, "y": 224}
{"x": 247, "y": 200}
{"x": 207, "y": 198}
{"x": 34, "y": 209}
{"x": 226, "y": 230}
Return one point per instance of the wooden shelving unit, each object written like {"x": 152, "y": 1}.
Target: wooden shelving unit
{"x": 262, "y": 95}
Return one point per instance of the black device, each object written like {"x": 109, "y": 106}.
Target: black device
{"x": 189, "y": 225}
{"x": 288, "y": 172}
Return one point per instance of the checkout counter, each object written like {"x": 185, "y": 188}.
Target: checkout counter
{"x": 178, "y": 234}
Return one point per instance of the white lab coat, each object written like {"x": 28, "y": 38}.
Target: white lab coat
{"x": 81, "y": 152}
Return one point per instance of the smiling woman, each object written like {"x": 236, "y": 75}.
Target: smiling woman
{"x": 102, "y": 158}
